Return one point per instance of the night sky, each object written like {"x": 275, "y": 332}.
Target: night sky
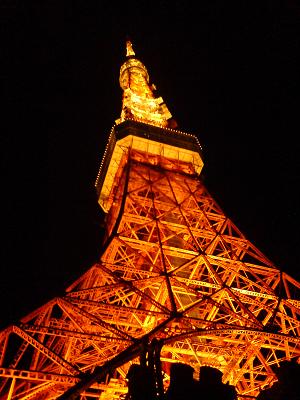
{"x": 228, "y": 73}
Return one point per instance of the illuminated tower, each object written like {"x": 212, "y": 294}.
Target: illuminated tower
{"x": 174, "y": 273}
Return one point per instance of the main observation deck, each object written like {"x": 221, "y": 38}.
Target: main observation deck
{"x": 182, "y": 150}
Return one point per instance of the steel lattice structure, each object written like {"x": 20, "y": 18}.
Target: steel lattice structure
{"x": 174, "y": 268}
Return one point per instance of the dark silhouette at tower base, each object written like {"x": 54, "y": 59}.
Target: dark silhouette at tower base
{"x": 287, "y": 387}
{"x": 210, "y": 385}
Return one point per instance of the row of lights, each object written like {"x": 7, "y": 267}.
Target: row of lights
{"x": 170, "y": 130}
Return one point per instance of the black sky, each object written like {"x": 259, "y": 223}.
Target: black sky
{"x": 227, "y": 71}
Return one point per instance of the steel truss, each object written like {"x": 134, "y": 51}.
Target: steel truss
{"x": 174, "y": 268}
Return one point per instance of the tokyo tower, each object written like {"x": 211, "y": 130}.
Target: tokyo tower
{"x": 176, "y": 280}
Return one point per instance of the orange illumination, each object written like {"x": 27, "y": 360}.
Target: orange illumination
{"x": 172, "y": 268}
{"x": 139, "y": 102}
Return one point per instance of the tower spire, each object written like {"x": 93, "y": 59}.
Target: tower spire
{"x": 139, "y": 102}
{"x": 129, "y": 49}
